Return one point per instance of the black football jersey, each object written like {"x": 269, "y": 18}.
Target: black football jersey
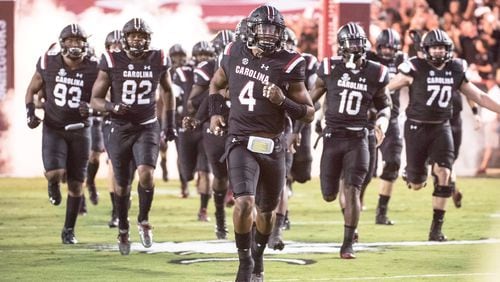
{"x": 432, "y": 89}
{"x": 203, "y": 73}
{"x": 311, "y": 67}
{"x": 350, "y": 93}
{"x": 135, "y": 82}
{"x": 65, "y": 88}
{"x": 392, "y": 66}
{"x": 250, "y": 111}
{"x": 183, "y": 78}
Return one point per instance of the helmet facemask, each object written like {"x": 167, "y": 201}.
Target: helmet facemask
{"x": 74, "y": 47}
{"x": 352, "y": 50}
{"x": 268, "y": 37}
{"x": 438, "y": 57}
{"x": 386, "y": 52}
{"x": 136, "y": 43}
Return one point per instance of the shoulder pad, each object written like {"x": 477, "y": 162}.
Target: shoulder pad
{"x": 296, "y": 58}
{"x": 459, "y": 65}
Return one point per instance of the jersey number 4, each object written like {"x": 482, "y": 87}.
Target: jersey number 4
{"x": 129, "y": 89}
{"x": 444, "y": 94}
{"x": 246, "y": 96}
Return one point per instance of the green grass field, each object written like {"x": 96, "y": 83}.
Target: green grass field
{"x": 31, "y": 249}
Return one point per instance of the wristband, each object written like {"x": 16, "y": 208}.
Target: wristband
{"x": 109, "y": 106}
{"x": 170, "y": 119}
{"x": 30, "y": 109}
{"x": 293, "y": 109}
{"x": 215, "y": 104}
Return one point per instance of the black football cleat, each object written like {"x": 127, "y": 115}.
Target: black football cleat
{"x": 123, "y": 242}
{"x": 437, "y": 237}
{"x": 68, "y": 236}
{"x": 383, "y": 220}
{"x": 54, "y": 194}
{"x": 145, "y": 233}
{"x": 93, "y": 194}
{"x": 347, "y": 251}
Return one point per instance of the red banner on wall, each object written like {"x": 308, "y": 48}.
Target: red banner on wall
{"x": 6, "y": 47}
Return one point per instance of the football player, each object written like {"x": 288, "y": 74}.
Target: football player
{"x": 351, "y": 84}
{"x": 193, "y": 157}
{"x": 66, "y": 77}
{"x": 388, "y": 52}
{"x": 432, "y": 81}
{"x": 299, "y": 157}
{"x": 134, "y": 75}
{"x": 181, "y": 74}
{"x": 214, "y": 145}
{"x": 112, "y": 43}
{"x": 264, "y": 83}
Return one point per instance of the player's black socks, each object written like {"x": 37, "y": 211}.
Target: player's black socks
{"x": 260, "y": 242}
{"x": 438, "y": 215}
{"x": 349, "y": 234}
{"x": 243, "y": 241}
{"x": 122, "y": 210}
{"x": 113, "y": 205}
{"x": 204, "y": 198}
{"x": 91, "y": 172}
{"x": 382, "y": 204}
{"x": 219, "y": 200}
{"x": 145, "y": 201}
{"x": 72, "y": 207}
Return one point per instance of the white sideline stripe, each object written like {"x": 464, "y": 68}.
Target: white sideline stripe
{"x": 391, "y": 277}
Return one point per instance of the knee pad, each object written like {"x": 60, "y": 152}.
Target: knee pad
{"x": 390, "y": 171}
{"x": 442, "y": 191}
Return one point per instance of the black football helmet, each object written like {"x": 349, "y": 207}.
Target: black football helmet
{"x": 241, "y": 30}
{"x": 76, "y": 31}
{"x": 140, "y": 26}
{"x": 437, "y": 37}
{"x": 221, "y": 39}
{"x": 178, "y": 55}
{"x": 202, "y": 48}
{"x": 351, "y": 39}
{"x": 266, "y": 29}
{"x": 390, "y": 39}
{"x": 113, "y": 38}
{"x": 291, "y": 41}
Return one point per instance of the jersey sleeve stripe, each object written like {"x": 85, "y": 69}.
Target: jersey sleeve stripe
{"x": 383, "y": 73}
{"x": 312, "y": 62}
{"x": 326, "y": 66}
{"x": 181, "y": 74}
{"x": 201, "y": 73}
{"x": 43, "y": 61}
{"x": 294, "y": 62}
{"x": 109, "y": 59}
{"x": 164, "y": 59}
{"x": 227, "y": 50}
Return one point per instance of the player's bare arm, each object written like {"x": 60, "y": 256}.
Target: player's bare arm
{"x": 399, "y": 81}
{"x": 218, "y": 83}
{"x": 318, "y": 90}
{"x": 480, "y": 97}
{"x": 99, "y": 91}
{"x": 169, "y": 133}
{"x": 383, "y": 104}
